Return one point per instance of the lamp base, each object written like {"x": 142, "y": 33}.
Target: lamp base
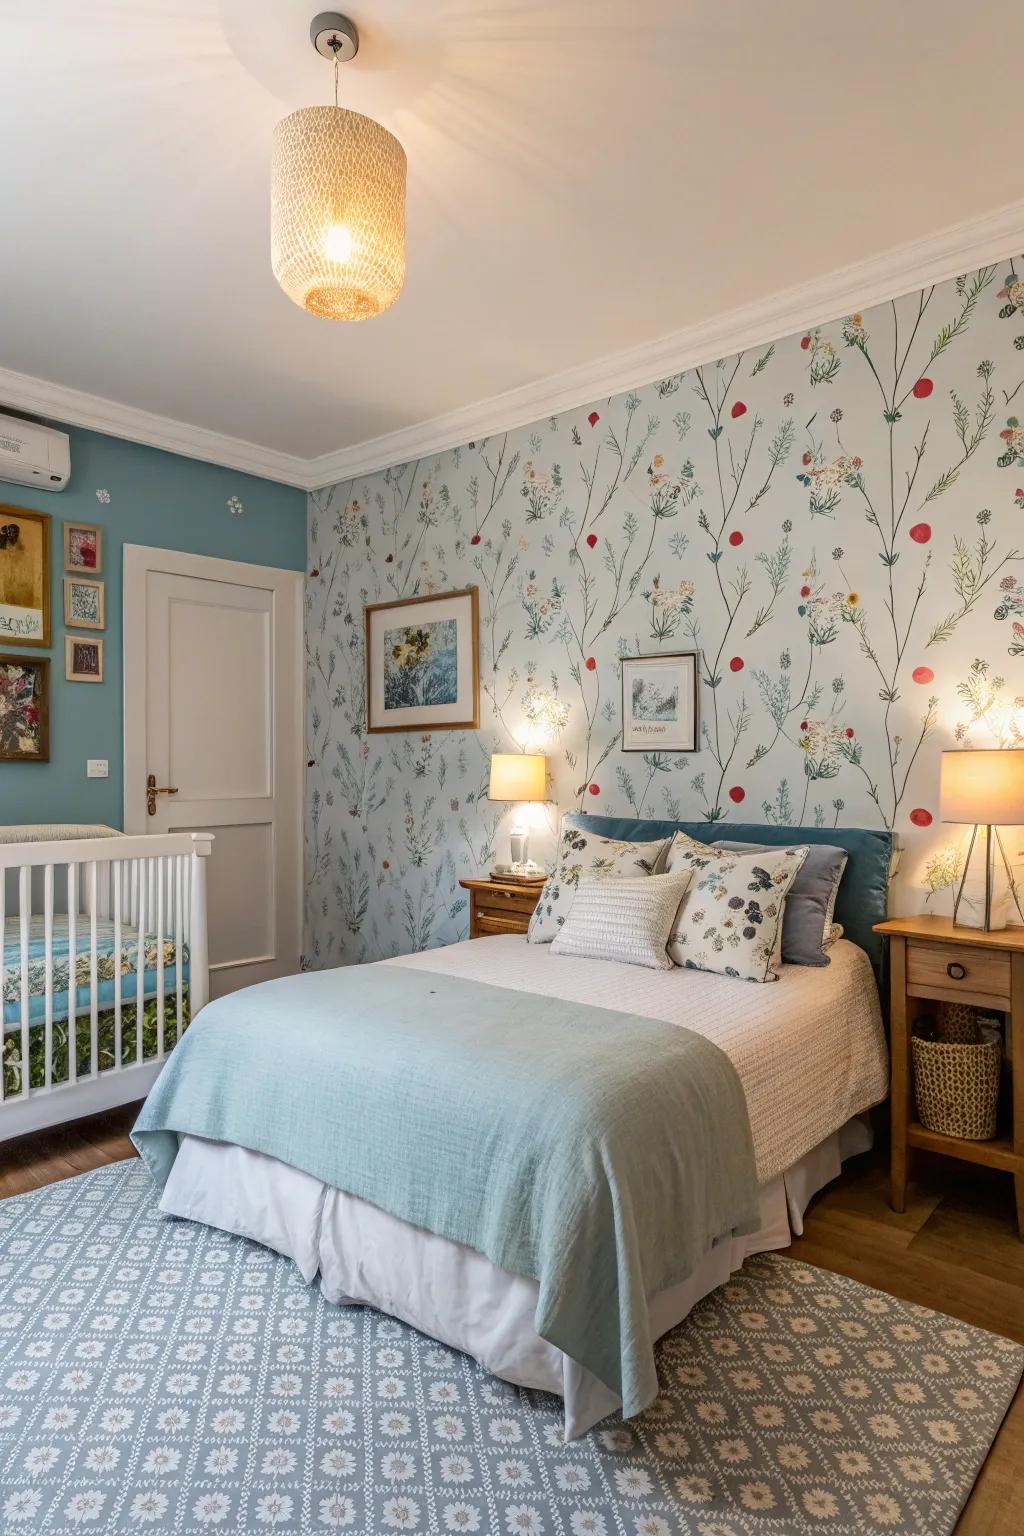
{"x": 985, "y": 899}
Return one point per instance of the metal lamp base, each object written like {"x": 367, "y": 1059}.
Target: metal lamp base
{"x": 992, "y": 841}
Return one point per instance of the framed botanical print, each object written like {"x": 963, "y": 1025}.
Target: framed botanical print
{"x": 660, "y": 703}
{"x": 83, "y": 659}
{"x": 83, "y": 548}
{"x": 83, "y": 603}
{"x": 422, "y": 663}
{"x": 24, "y": 709}
{"x": 24, "y": 577}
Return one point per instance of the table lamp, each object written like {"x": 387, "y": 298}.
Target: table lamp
{"x": 520, "y": 777}
{"x": 984, "y": 789}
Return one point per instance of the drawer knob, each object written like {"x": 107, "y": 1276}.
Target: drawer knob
{"x": 955, "y": 971}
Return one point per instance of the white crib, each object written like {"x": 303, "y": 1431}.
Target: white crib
{"x": 121, "y": 919}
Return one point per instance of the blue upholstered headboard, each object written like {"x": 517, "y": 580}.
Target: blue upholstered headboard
{"x": 864, "y": 886}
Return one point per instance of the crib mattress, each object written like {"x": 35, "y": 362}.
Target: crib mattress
{"x": 109, "y": 961}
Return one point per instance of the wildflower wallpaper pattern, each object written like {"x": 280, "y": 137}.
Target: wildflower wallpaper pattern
{"x": 834, "y": 522}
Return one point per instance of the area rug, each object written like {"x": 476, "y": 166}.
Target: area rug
{"x": 160, "y": 1376}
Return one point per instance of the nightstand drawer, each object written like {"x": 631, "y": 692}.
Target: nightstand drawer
{"x": 488, "y": 921}
{"x": 503, "y": 903}
{"x": 954, "y": 973}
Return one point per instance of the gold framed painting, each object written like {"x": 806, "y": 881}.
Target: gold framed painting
{"x": 24, "y": 709}
{"x": 83, "y": 659}
{"x": 84, "y": 606}
{"x": 24, "y": 577}
{"x": 423, "y": 663}
{"x": 83, "y": 548}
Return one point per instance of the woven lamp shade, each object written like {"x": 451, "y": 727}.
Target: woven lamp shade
{"x": 337, "y": 229}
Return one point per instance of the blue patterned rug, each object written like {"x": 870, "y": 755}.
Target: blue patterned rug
{"x": 160, "y": 1376}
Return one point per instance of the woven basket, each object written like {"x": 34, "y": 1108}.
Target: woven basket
{"x": 957, "y": 1024}
{"x": 957, "y": 1087}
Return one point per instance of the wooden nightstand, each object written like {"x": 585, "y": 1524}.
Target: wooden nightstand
{"x": 495, "y": 907}
{"x": 931, "y": 959}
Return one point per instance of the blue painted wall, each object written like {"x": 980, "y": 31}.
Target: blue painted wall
{"x": 158, "y": 499}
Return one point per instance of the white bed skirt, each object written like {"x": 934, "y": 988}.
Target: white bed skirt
{"x": 445, "y": 1290}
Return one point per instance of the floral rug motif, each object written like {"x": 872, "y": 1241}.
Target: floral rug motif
{"x": 160, "y": 1376}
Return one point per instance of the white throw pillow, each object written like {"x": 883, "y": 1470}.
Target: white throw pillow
{"x": 730, "y": 920}
{"x": 582, "y": 855}
{"x": 627, "y": 920}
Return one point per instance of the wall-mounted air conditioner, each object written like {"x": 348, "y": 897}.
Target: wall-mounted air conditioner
{"x": 34, "y": 455}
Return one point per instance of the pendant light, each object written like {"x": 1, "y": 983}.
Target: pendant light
{"x": 337, "y": 219}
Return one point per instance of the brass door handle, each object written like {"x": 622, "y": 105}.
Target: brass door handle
{"x": 153, "y": 789}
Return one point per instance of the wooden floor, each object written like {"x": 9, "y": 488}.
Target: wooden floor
{"x": 955, "y": 1249}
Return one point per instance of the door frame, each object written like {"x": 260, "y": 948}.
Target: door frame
{"x": 288, "y": 589}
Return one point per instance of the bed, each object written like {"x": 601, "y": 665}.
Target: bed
{"x": 102, "y": 965}
{"x": 815, "y": 1029}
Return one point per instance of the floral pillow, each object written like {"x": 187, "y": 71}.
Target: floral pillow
{"x": 584, "y": 856}
{"x": 730, "y": 920}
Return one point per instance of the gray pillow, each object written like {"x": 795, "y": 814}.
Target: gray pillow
{"x": 807, "y": 921}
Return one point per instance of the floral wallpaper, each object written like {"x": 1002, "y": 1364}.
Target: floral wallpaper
{"x": 836, "y": 524}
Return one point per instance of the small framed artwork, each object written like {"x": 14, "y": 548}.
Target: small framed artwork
{"x": 83, "y": 659}
{"x": 660, "y": 703}
{"x": 83, "y": 548}
{"x": 83, "y": 603}
{"x": 24, "y": 709}
{"x": 422, "y": 663}
{"x": 24, "y": 577}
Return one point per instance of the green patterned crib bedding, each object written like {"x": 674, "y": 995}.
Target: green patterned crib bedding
{"x": 109, "y": 961}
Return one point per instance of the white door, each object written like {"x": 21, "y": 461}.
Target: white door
{"x": 213, "y": 712}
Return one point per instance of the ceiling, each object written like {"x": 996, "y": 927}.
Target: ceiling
{"x": 583, "y": 178}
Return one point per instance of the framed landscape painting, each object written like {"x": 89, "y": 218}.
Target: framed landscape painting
{"x": 24, "y": 709}
{"x": 422, "y": 663}
{"x": 660, "y": 710}
{"x": 24, "y": 577}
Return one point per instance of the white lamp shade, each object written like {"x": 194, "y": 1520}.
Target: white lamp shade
{"x": 518, "y": 776}
{"x": 983, "y": 788}
{"x": 337, "y": 225}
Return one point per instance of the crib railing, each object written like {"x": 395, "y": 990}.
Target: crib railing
{"x": 149, "y": 892}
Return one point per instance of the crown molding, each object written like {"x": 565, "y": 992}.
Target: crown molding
{"x": 73, "y": 407}
{"x": 960, "y": 247}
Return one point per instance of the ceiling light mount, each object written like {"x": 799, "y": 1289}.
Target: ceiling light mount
{"x": 334, "y": 36}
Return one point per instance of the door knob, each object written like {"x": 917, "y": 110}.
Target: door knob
{"x": 153, "y": 789}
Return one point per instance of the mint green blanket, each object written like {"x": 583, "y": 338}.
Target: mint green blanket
{"x": 600, "y": 1154}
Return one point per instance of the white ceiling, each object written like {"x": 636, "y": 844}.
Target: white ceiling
{"x": 584, "y": 176}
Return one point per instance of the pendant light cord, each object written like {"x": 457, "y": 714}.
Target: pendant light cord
{"x": 335, "y": 44}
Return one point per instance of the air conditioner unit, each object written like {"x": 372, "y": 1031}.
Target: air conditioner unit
{"x": 34, "y": 455}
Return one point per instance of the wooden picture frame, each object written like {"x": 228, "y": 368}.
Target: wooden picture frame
{"x": 668, "y": 718}
{"x": 26, "y": 681}
{"x": 75, "y": 620}
{"x": 423, "y": 663}
{"x": 24, "y": 577}
{"x": 78, "y": 668}
{"x": 83, "y": 548}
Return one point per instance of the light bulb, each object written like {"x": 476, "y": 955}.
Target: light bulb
{"x": 338, "y": 244}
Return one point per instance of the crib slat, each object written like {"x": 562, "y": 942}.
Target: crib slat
{"x": 72, "y": 973}
{"x": 48, "y": 962}
{"x": 140, "y": 963}
{"x": 179, "y": 940}
{"x": 24, "y": 914}
{"x": 160, "y": 885}
{"x": 94, "y": 1027}
{"x": 118, "y": 873}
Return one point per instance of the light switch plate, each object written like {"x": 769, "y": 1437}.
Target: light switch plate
{"x": 96, "y": 768}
